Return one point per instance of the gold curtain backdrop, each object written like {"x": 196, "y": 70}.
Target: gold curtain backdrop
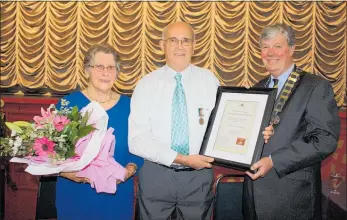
{"x": 43, "y": 43}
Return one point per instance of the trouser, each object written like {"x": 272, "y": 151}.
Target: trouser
{"x": 162, "y": 190}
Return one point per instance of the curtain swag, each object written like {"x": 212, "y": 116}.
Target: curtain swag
{"x": 43, "y": 43}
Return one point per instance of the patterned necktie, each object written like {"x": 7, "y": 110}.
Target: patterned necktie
{"x": 275, "y": 86}
{"x": 179, "y": 123}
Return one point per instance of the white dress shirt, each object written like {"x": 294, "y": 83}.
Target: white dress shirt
{"x": 151, "y": 108}
{"x": 282, "y": 79}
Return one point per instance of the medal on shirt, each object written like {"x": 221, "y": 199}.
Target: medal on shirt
{"x": 201, "y": 116}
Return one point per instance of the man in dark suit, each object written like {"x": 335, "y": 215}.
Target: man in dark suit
{"x": 287, "y": 182}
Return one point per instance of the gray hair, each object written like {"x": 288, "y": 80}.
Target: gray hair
{"x": 272, "y": 30}
{"x": 104, "y": 48}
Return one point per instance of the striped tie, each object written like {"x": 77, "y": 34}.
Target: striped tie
{"x": 275, "y": 86}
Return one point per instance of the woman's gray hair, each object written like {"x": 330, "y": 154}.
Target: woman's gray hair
{"x": 272, "y": 30}
{"x": 104, "y": 48}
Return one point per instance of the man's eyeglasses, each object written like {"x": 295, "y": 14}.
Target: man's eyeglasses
{"x": 174, "y": 41}
{"x": 101, "y": 68}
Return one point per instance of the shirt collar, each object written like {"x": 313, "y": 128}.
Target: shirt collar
{"x": 282, "y": 78}
{"x": 171, "y": 73}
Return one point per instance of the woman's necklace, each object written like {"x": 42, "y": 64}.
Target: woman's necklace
{"x": 101, "y": 102}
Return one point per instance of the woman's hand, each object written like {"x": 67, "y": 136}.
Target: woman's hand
{"x": 130, "y": 171}
{"x": 72, "y": 176}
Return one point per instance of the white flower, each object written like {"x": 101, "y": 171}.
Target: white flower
{"x": 64, "y": 102}
{"x": 13, "y": 133}
{"x": 32, "y": 135}
{"x": 51, "y": 106}
{"x": 65, "y": 110}
{"x": 18, "y": 142}
{"x": 10, "y": 142}
{"x": 61, "y": 145}
{"x": 14, "y": 150}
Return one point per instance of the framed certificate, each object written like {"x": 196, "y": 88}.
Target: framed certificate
{"x": 234, "y": 131}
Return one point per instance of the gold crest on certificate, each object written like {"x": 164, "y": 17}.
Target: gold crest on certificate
{"x": 236, "y": 126}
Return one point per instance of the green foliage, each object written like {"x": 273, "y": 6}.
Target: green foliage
{"x": 23, "y": 124}
{"x": 70, "y": 126}
{"x": 73, "y": 133}
{"x": 70, "y": 152}
{"x": 21, "y": 142}
{"x": 14, "y": 127}
{"x": 4, "y": 151}
{"x": 84, "y": 131}
{"x": 74, "y": 115}
{"x": 84, "y": 119}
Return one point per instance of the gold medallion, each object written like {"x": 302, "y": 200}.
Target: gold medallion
{"x": 201, "y": 121}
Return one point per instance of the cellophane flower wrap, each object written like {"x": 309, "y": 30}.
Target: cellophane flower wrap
{"x": 48, "y": 143}
{"x": 67, "y": 140}
{"x": 50, "y": 138}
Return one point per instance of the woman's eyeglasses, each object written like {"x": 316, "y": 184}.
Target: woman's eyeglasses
{"x": 101, "y": 68}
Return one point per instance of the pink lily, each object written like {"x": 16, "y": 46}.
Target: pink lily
{"x": 60, "y": 122}
{"x": 47, "y": 117}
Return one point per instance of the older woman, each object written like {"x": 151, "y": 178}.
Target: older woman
{"x": 74, "y": 199}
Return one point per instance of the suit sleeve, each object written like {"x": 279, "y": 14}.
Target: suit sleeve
{"x": 320, "y": 133}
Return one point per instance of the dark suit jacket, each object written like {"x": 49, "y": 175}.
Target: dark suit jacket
{"x": 306, "y": 134}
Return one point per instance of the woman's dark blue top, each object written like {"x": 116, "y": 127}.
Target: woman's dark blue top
{"x": 77, "y": 201}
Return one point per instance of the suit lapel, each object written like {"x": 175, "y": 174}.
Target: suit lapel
{"x": 262, "y": 83}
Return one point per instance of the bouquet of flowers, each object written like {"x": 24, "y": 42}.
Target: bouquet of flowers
{"x": 51, "y": 138}
{"x": 67, "y": 140}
